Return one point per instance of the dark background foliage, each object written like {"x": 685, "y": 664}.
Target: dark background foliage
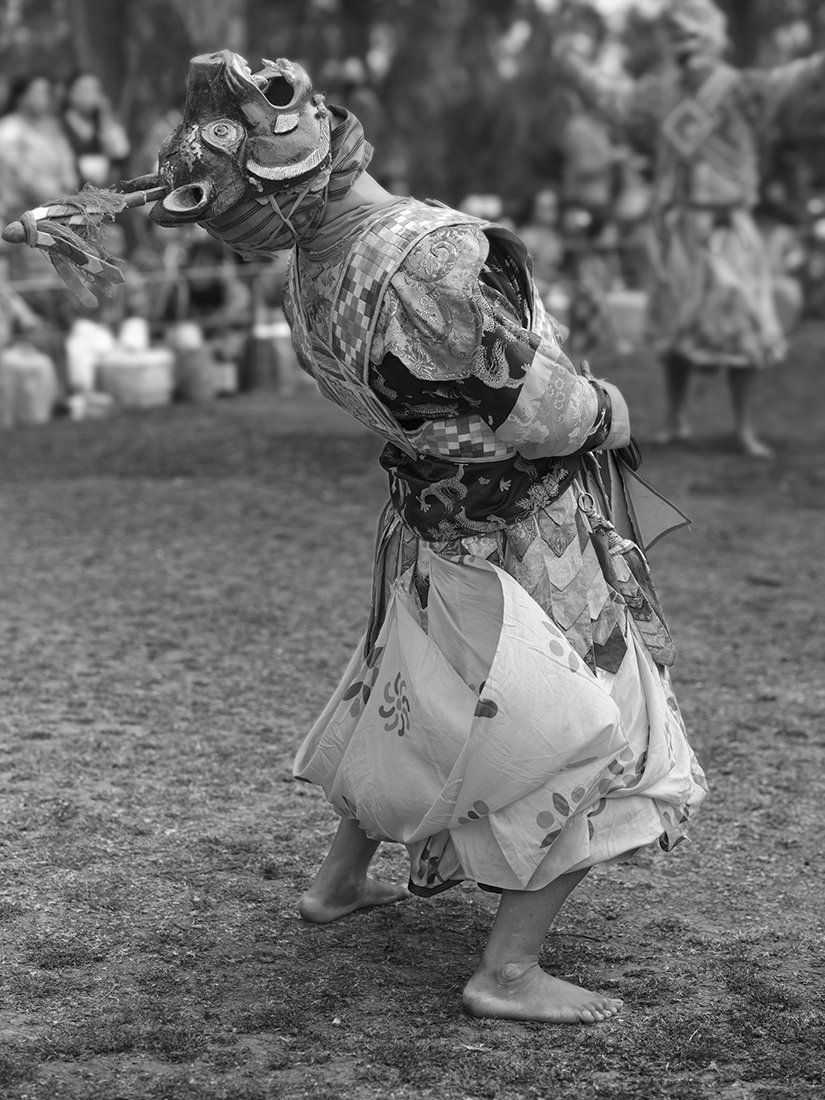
{"x": 469, "y": 101}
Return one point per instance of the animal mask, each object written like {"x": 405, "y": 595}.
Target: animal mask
{"x": 242, "y": 135}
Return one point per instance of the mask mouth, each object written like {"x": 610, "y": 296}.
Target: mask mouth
{"x": 187, "y": 203}
{"x": 275, "y": 89}
{"x": 277, "y": 81}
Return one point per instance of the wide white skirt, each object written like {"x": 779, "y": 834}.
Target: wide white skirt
{"x": 475, "y": 734}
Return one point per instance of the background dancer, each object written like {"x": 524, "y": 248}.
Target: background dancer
{"x": 712, "y": 302}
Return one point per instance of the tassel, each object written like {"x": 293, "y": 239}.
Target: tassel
{"x": 69, "y": 233}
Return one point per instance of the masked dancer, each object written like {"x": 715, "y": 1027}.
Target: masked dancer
{"x": 508, "y": 714}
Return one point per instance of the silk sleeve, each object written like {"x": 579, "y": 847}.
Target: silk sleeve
{"x": 557, "y": 412}
{"x": 455, "y": 335}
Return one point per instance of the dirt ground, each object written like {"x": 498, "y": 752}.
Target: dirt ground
{"x": 180, "y": 590}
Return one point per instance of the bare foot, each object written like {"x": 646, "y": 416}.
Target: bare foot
{"x": 320, "y": 907}
{"x": 516, "y": 992}
{"x": 753, "y": 446}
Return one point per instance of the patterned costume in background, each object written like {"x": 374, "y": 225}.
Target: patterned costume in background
{"x": 588, "y": 160}
{"x": 712, "y": 300}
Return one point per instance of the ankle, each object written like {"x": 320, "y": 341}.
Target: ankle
{"x": 509, "y": 971}
{"x": 336, "y": 884}
{"x": 515, "y": 971}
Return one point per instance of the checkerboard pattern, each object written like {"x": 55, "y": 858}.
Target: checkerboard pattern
{"x": 356, "y": 304}
{"x": 373, "y": 261}
{"x": 464, "y": 437}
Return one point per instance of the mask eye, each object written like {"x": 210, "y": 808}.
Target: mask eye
{"x": 223, "y": 134}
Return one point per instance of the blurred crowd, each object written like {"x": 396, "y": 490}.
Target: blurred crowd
{"x": 585, "y": 230}
{"x": 588, "y": 231}
{"x": 183, "y": 291}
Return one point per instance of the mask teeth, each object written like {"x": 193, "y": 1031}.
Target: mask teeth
{"x": 284, "y": 172}
{"x": 285, "y": 124}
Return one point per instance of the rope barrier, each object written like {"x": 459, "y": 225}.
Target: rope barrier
{"x": 163, "y": 275}
{"x": 254, "y": 270}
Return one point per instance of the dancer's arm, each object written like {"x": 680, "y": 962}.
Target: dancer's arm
{"x": 768, "y": 91}
{"x": 805, "y": 76}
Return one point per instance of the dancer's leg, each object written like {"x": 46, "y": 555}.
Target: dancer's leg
{"x": 677, "y": 382}
{"x": 509, "y": 982}
{"x": 342, "y": 883}
{"x": 742, "y": 381}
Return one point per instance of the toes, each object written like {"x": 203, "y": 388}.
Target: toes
{"x": 604, "y": 1009}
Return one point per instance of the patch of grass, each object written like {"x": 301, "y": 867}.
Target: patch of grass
{"x": 760, "y": 991}
{"x": 15, "y": 1065}
{"x": 61, "y": 951}
{"x": 105, "y": 893}
{"x": 10, "y": 910}
{"x": 782, "y": 1044}
{"x": 183, "y": 1086}
{"x": 144, "y": 1028}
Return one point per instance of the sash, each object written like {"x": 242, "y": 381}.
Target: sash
{"x": 718, "y": 161}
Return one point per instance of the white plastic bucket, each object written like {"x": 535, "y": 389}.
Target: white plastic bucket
{"x": 628, "y": 315}
{"x": 138, "y": 379}
{"x": 29, "y": 385}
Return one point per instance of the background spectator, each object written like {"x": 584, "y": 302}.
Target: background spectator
{"x": 36, "y": 165}
{"x": 99, "y": 141}
{"x": 589, "y": 165}
{"x": 36, "y": 160}
{"x": 543, "y": 239}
